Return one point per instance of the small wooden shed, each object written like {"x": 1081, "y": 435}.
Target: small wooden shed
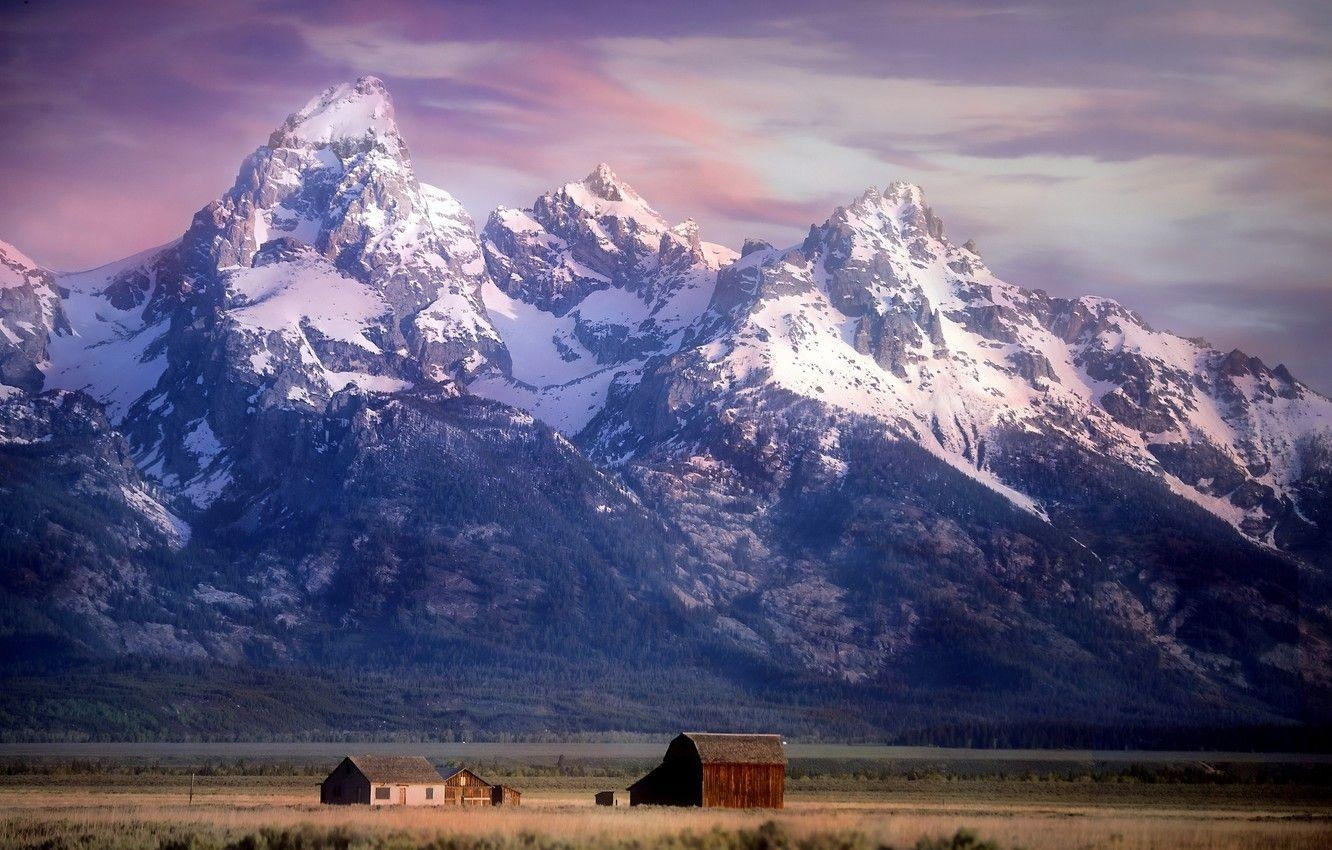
{"x": 383, "y": 781}
{"x": 716, "y": 770}
{"x": 503, "y": 795}
{"x": 462, "y": 787}
{"x": 610, "y": 798}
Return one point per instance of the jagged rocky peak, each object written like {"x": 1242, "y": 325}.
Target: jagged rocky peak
{"x": 336, "y": 177}
{"x": 621, "y": 283}
{"x": 913, "y": 213}
{"x": 345, "y": 113}
{"x": 628, "y": 221}
{"x": 881, "y": 255}
{"x": 875, "y": 250}
{"x": 326, "y": 263}
{"x": 903, "y": 192}
{"x": 688, "y": 232}
{"x": 878, "y": 313}
{"x": 603, "y": 183}
{"x": 593, "y": 234}
{"x": 899, "y": 210}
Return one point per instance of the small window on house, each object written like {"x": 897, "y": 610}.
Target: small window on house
{"x": 462, "y": 780}
{"x": 381, "y": 793}
{"x": 430, "y": 793}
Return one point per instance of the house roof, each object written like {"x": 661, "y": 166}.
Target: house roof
{"x": 412, "y": 770}
{"x": 717, "y": 748}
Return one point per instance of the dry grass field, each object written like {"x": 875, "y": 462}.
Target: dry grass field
{"x": 151, "y": 810}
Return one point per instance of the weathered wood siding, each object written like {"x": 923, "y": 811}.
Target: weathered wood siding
{"x": 716, "y": 771}
{"x": 744, "y": 786}
{"x": 465, "y": 788}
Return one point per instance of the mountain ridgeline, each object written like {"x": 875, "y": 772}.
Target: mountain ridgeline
{"x": 336, "y": 462}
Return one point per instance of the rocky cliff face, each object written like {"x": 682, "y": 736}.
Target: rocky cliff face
{"x": 331, "y": 417}
{"x": 877, "y": 313}
{"x": 589, "y": 283}
{"x": 327, "y": 264}
{"x": 30, "y": 311}
{"x": 884, "y": 381}
{"x": 84, "y": 535}
{"x": 405, "y": 516}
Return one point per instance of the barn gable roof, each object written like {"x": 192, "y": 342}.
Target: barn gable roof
{"x": 717, "y": 748}
{"x": 452, "y": 771}
{"x": 413, "y": 770}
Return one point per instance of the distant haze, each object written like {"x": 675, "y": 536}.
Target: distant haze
{"x": 1177, "y": 158}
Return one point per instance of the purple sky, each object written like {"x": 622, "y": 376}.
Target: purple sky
{"x": 1177, "y": 157}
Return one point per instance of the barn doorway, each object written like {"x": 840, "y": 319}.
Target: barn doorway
{"x": 402, "y": 795}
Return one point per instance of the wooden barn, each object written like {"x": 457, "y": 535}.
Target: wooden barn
{"x": 383, "y": 781}
{"x": 462, "y": 787}
{"x": 503, "y": 795}
{"x": 716, "y": 771}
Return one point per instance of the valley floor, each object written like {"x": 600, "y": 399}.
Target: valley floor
{"x": 147, "y": 809}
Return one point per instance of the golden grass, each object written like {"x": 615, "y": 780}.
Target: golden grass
{"x": 1057, "y": 817}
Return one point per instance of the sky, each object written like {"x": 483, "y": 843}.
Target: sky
{"x": 1174, "y": 156}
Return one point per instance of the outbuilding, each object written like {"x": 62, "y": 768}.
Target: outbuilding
{"x": 716, "y": 771}
{"x": 383, "y": 781}
{"x": 462, "y": 787}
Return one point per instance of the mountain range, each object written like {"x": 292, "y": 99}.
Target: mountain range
{"x": 336, "y": 461}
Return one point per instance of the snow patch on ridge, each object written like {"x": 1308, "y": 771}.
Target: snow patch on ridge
{"x": 12, "y": 263}
{"x": 291, "y": 297}
{"x": 112, "y": 354}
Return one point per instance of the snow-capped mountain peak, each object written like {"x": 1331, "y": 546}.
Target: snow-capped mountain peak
{"x": 347, "y": 112}
{"x": 604, "y": 194}
{"x": 328, "y": 263}
{"x": 898, "y": 212}
{"x": 625, "y": 223}
{"x": 903, "y": 192}
{"x": 604, "y": 184}
{"x": 822, "y": 444}
{"x": 589, "y": 235}
{"x": 588, "y": 283}
{"x": 878, "y": 314}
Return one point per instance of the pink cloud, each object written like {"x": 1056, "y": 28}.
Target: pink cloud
{"x": 729, "y": 190}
